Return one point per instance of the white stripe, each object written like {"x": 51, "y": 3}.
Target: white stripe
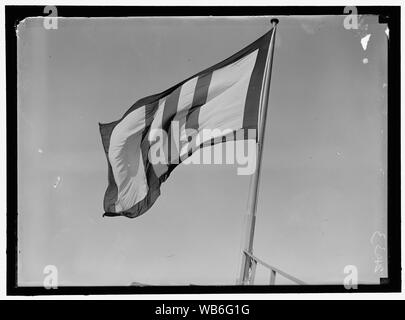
{"x": 157, "y": 120}
{"x": 126, "y": 161}
{"x": 186, "y": 95}
{"x": 156, "y": 125}
{"x": 267, "y": 65}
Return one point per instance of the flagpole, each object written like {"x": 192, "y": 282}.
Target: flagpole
{"x": 248, "y": 246}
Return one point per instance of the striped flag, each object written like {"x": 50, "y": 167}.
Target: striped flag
{"x": 224, "y": 98}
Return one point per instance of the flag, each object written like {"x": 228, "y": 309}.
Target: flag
{"x": 223, "y": 100}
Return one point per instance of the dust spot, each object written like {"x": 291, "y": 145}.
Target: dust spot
{"x": 364, "y": 41}
{"x": 57, "y": 183}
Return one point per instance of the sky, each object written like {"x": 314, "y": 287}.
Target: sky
{"x": 323, "y": 184}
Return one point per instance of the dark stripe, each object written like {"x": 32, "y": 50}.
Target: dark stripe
{"x": 199, "y": 99}
{"x": 170, "y": 109}
{"x": 250, "y": 116}
{"x": 150, "y": 111}
{"x": 169, "y": 112}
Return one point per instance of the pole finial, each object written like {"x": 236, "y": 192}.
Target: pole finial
{"x": 274, "y": 21}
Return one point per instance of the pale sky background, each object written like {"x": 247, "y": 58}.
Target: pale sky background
{"x": 323, "y": 185}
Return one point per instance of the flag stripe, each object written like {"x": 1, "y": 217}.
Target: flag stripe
{"x": 200, "y": 97}
{"x": 250, "y": 117}
{"x": 157, "y": 124}
{"x": 186, "y": 97}
{"x": 168, "y": 114}
{"x": 157, "y": 121}
{"x": 150, "y": 112}
{"x": 170, "y": 109}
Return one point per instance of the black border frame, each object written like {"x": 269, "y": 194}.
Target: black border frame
{"x": 387, "y": 14}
